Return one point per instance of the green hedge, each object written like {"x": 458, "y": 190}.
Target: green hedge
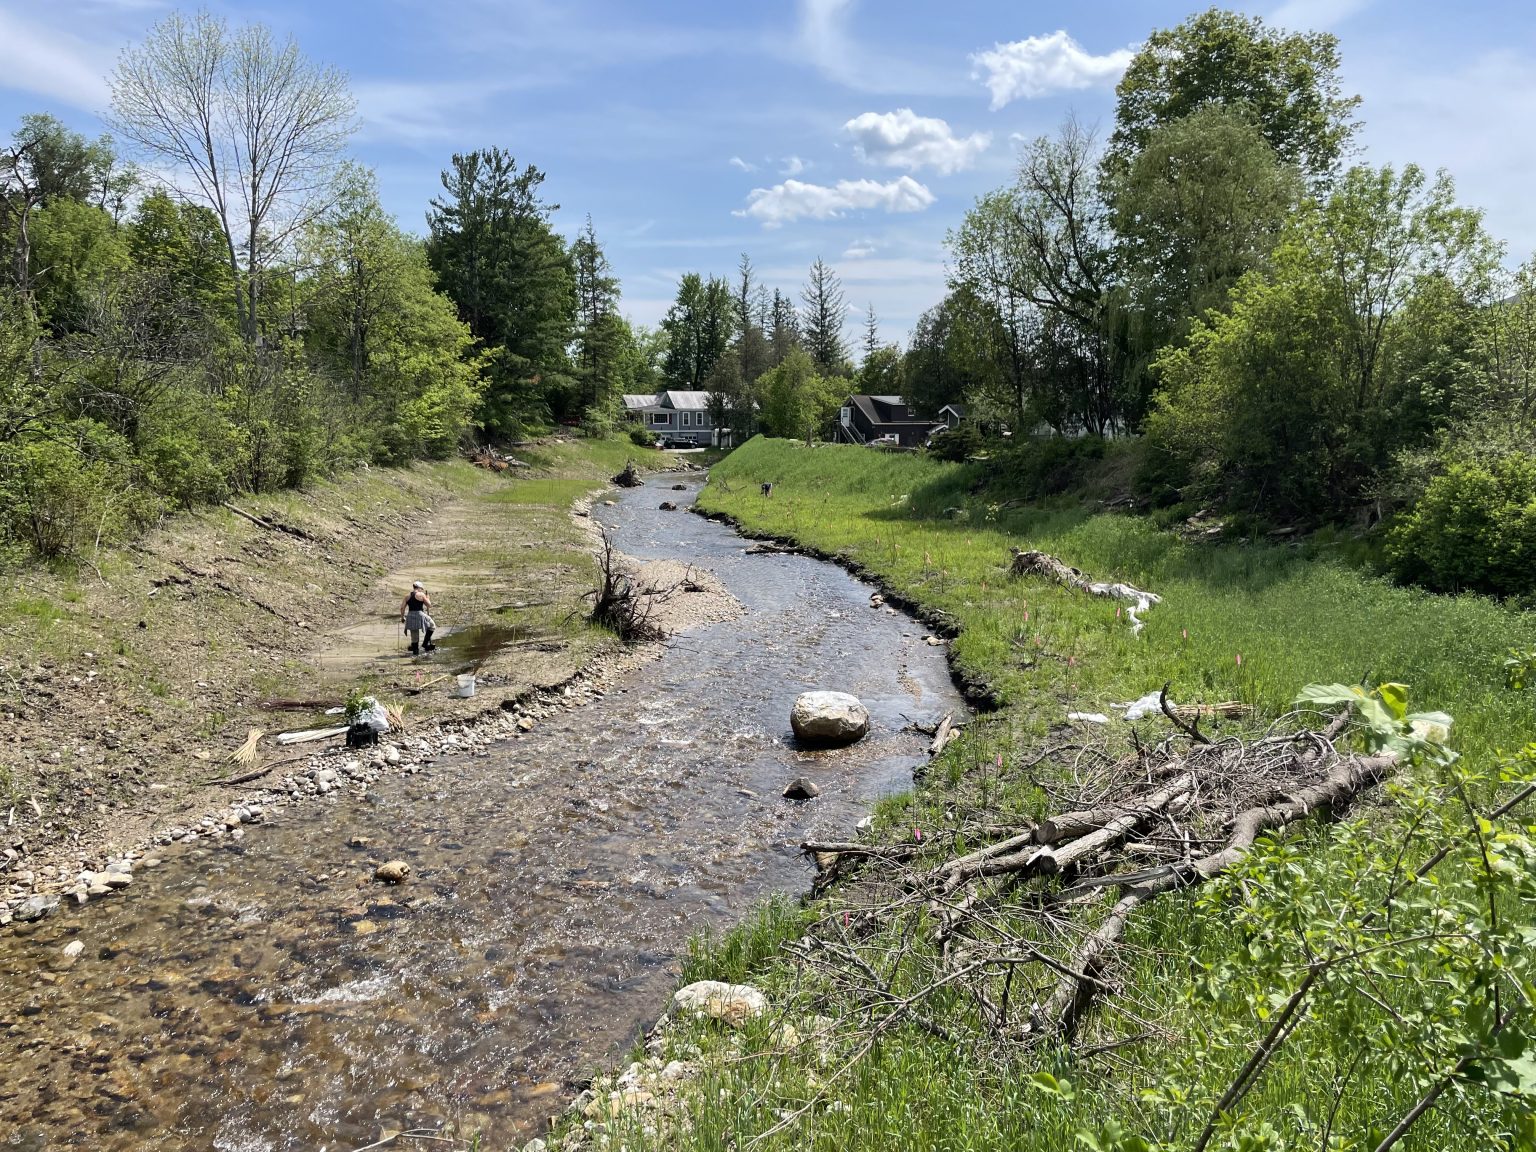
{"x": 1473, "y": 529}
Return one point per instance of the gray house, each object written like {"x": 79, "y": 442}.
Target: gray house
{"x": 678, "y": 418}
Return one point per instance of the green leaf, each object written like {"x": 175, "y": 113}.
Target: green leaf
{"x": 1327, "y": 694}
{"x": 1395, "y": 697}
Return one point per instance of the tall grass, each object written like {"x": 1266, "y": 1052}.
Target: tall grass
{"x": 1250, "y": 622}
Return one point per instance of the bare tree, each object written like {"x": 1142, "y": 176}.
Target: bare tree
{"x": 247, "y": 125}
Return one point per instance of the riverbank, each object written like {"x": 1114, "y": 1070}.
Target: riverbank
{"x": 273, "y": 990}
{"x": 129, "y": 685}
{"x": 900, "y": 1062}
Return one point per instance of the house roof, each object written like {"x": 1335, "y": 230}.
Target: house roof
{"x": 957, "y": 409}
{"x": 684, "y": 399}
{"x": 634, "y": 401}
{"x": 877, "y": 410}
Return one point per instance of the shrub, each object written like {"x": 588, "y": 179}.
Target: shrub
{"x": 641, "y": 437}
{"x": 1039, "y": 467}
{"x": 1473, "y": 529}
{"x": 80, "y": 486}
{"x": 959, "y": 443}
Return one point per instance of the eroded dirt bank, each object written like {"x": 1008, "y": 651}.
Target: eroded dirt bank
{"x": 125, "y": 690}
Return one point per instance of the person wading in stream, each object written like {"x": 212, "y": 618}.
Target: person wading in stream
{"x": 415, "y": 614}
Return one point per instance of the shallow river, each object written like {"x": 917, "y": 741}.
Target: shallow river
{"x": 268, "y": 995}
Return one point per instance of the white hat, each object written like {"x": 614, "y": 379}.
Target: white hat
{"x": 418, "y": 584}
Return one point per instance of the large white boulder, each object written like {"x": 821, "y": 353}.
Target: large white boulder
{"x": 734, "y": 1004}
{"x": 828, "y": 718}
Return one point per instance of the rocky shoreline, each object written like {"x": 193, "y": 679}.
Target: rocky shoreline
{"x": 32, "y": 893}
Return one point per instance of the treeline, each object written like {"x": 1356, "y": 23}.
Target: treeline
{"x": 1295, "y": 337}
{"x": 769, "y": 361}
{"x": 250, "y": 317}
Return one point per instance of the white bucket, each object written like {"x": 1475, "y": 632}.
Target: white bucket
{"x": 467, "y": 685}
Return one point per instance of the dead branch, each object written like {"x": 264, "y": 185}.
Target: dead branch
{"x": 1190, "y": 728}
{"x": 1342, "y": 783}
{"x": 1044, "y": 564}
{"x": 269, "y": 524}
{"x": 1194, "y": 809}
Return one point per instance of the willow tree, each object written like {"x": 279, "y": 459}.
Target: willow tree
{"x": 245, "y": 124}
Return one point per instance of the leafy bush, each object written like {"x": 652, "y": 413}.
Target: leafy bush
{"x": 1034, "y": 468}
{"x": 63, "y": 494}
{"x": 641, "y": 437}
{"x": 1473, "y": 529}
{"x": 958, "y": 443}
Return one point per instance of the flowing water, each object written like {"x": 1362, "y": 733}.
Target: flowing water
{"x": 268, "y": 994}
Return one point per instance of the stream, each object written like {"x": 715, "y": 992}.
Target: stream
{"x": 266, "y": 994}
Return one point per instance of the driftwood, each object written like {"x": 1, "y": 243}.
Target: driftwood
{"x": 308, "y": 734}
{"x": 249, "y": 776}
{"x": 1164, "y": 818}
{"x": 1044, "y": 564}
{"x": 630, "y": 477}
{"x": 942, "y": 734}
{"x": 269, "y": 524}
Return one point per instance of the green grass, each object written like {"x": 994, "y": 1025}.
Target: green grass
{"x": 1291, "y": 618}
{"x": 939, "y": 535}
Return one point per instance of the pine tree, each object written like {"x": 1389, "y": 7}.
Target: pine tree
{"x": 784, "y": 327}
{"x": 598, "y": 335}
{"x": 871, "y": 333}
{"x": 824, "y": 314}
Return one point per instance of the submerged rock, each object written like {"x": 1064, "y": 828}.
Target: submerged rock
{"x": 829, "y": 718}
{"x": 392, "y": 871}
{"x": 801, "y": 788}
{"x": 36, "y": 907}
{"x": 734, "y": 1004}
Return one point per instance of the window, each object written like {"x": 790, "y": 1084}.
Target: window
{"x": 687, "y": 419}
{"x": 662, "y": 419}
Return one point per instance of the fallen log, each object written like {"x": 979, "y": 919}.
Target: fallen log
{"x": 1066, "y": 1004}
{"x": 1029, "y": 563}
{"x": 269, "y": 524}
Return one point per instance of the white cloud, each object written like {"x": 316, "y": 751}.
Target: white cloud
{"x": 794, "y": 199}
{"x": 419, "y": 111}
{"x": 902, "y": 139}
{"x": 793, "y": 166}
{"x": 53, "y": 63}
{"x": 738, "y": 162}
{"x": 860, "y": 250}
{"x": 1040, "y": 64}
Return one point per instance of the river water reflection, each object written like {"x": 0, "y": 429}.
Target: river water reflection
{"x": 267, "y": 995}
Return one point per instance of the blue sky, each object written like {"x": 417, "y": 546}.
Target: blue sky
{"x": 854, "y": 130}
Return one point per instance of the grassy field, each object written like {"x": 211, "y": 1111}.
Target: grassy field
{"x": 1206, "y": 970}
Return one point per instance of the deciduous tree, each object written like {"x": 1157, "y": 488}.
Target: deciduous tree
{"x": 248, "y": 125}
{"x": 1285, "y": 83}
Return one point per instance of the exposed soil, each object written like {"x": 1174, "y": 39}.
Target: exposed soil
{"x": 126, "y": 689}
